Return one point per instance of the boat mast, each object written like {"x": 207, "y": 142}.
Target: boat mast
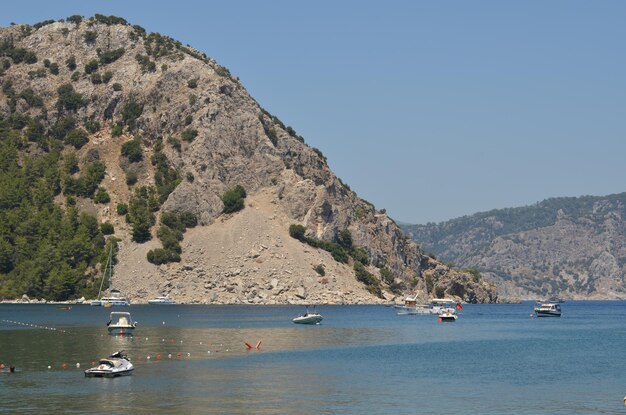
{"x": 110, "y": 269}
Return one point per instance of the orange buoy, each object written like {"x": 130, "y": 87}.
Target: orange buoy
{"x": 440, "y": 320}
{"x": 158, "y": 357}
{"x": 64, "y": 365}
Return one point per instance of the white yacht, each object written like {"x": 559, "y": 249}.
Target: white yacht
{"x": 547, "y": 310}
{"x": 121, "y": 323}
{"x": 162, "y": 300}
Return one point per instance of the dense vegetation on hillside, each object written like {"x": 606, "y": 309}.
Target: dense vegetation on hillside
{"x": 46, "y": 249}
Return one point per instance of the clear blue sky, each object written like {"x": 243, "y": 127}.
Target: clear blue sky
{"x": 431, "y": 110}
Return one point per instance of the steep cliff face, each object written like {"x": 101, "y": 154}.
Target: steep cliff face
{"x": 192, "y": 116}
{"x": 570, "y": 247}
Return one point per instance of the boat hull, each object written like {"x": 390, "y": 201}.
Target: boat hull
{"x": 121, "y": 330}
{"x": 317, "y": 319}
{"x": 96, "y": 373}
{"x": 547, "y": 314}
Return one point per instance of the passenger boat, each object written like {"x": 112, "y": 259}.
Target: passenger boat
{"x": 121, "y": 323}
{"x": 411, "y": 307}
{"x": 309, "y": 318}
{"x": 547, "y": 310}
{"x": 118, "y": 364}
{"x": 162, "y": 300}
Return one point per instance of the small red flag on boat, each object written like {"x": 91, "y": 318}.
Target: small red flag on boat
{"x": 459, "y": 306}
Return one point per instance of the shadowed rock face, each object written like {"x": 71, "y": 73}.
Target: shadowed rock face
{"x": 569, "y": 247}
{"x": 225, "y": 139}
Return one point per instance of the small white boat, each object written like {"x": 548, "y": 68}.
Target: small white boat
{"x": 448, "y": 315}
{"x": 439, "y": 305}
{"x": 121, "y": 323}
{"x": 547, "y": 310}
{"x": 161, "y": 300}
{"x": 309, "y": 318}
{"x": 115, "y": 365}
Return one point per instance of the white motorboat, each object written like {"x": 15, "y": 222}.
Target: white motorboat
{"x": 439, "y": 305}
{"x": 121, "y": 323}
{"x": 118, "y": 364}
{"x": 162, "y": 300}
{"x": 448, "y": 315}
{"x": 309, "y": 318}
{"x": 114, "y": 298}
{"x": 547, "y": 310}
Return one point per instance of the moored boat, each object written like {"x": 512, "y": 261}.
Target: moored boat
{"x": 308, "y": 318}
{"x": 162, "y": 300}
{"x": 448, "y": 315}
{"x": 114, "y": 298}
{"x": 121, "y": 323}
{"x": 547, "y": 310}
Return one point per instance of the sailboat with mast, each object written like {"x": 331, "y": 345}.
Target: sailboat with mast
{"x": 113, "y": 298}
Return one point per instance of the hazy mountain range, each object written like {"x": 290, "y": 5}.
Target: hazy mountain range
{"x": 574, "y": 247}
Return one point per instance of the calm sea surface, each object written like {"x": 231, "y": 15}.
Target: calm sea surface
{"x": 494, "y": 359}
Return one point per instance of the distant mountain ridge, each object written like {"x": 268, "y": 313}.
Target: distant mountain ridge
{"x": 569, "y": 246}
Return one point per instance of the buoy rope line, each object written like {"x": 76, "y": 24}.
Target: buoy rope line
{"x": 157, "y": 356}
{"x": 36, "y": 326}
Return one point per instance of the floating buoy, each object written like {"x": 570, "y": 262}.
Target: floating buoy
{"x": 200, "y": 342}
{"x": 1, "y": 365}
{"x": 178, "y": 355}
{"x": 158, "y": 357}
{"x": 439, "y": 319}
{"x": 164, "y": 322}
{"x": 64, "y": 365}
{"x": 49, "y": 367}
{"x": 78, "y": 365}
{"x": 148, "y": 357}
{"x": 208, "y": 352}
{"x": 169, "y": 356}
{"x": 188, "y": 354}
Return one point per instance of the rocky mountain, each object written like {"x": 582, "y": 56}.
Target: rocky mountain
{"x": 573, "y": 247}
{"x": 208, "y": 197}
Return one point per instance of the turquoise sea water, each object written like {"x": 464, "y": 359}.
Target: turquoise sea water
{"x": 494, "y": 359}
